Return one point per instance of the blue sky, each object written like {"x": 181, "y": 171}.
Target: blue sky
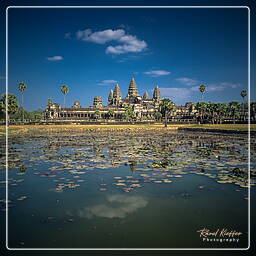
{"x": 91, "y": 49}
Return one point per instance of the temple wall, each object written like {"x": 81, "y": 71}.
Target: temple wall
{"x": 143, "y": 109}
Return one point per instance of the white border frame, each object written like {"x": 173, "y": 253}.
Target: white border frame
{"x": 151, "y": 249}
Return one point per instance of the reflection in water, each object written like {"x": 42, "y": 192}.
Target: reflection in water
{"x": 117, "y": 206}
{"x": 23, "y": 168}
{"x": 133, "y": 165}
{"x": 117, "y": 174}
{"x": 215, "y": 156}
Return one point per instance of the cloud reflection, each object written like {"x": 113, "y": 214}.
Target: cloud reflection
{"x": 117, "y": 206}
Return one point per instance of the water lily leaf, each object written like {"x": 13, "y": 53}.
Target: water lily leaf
{"x": 22, "y": 198}
{"x": 119, "y": 184}
{"x": 167, "y": 181}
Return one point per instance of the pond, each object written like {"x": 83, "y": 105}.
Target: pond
{"x": 116, "y": 189}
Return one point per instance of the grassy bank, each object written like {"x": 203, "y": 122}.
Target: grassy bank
{"x": 28, "y": 129}
{"x": 32, "y": 129}
{"x": 237, "y": 127}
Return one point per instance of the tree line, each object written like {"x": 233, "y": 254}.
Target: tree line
{"x": 206, "y": 111}
{"x": 210, "y": 111}
{"x": 16, "y": 111}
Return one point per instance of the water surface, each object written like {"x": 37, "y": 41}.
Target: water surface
{"x": 126, "y": 190}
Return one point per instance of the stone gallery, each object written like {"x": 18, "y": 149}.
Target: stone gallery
{"x": 132, "y": 107}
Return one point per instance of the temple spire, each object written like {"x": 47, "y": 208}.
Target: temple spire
{"x": 145, "y": 96}
{"x": 110, "y": 97}
{"x": 132, "y": 90}
{"x": 156, "y": 94}
{"x": 117, "y": 92}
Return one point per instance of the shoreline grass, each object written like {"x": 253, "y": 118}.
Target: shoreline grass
{"x": 30, "y": 129}
{"x": 237, "y": 127}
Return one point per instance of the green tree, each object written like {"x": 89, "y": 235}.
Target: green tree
{"x": 209, "y": 113}
{"x": 212, "y": 111}
{"x": 29, "y": 115}
{"x": 222, "y": 110}
{"x": 234, "y": 110}
{"x": 165, "y": 108}
{"x": 157, "y": 115}
{"x": 253, "y": 110}
{"x": 202, "y": 89}
{"x": 20, "y": 112}
{"x": 201, "y": 108}
{"x": 8, "y": 105}
{"x": 97, "y": 114}
{"x": 243, "y": 95}
{"x": 129, "y": 113}
{"x": 36, "y": 115}
{"x": 111, "y": 113}
{"x": 49, "y": 101}
{"x": 64, "y": 89}
{"x": 22, "y": 89}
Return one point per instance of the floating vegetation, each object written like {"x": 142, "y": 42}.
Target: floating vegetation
{"x": 22, "y": 198}
{"x": 61, "y": 186}
{"x": 153, "y": 157}
{"x": 167, "y": 181}
{"x": 119, "y": 184}
{"x": 23, "y": 168}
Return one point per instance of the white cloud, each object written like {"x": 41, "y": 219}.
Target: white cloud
{"x": 55, "y": 58}
{"x": 156, "y": 73}
{"x": 130, "y": 44}
{"x": 176, "y": 93}
{"x": 187, "y": 81}
{"x": 106, "y": 82}
{"x": 182, "y": 95}
{"x": 218, "y": 86}
{"x": 126, "y": 43}
{"x": 100, "y": 37}
{"x": 222, "y": 86}
{"x": 116, "y": 206}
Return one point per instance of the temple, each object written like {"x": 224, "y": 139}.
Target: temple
{"x": 143, "y": 108}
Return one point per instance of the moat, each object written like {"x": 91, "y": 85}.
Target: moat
{"x": 126, "y": 190}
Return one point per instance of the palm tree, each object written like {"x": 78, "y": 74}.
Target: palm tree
{"x": 22, "y": 89}
{"x": 221, "y": 111}
{"x": 165, "y": 107}
{"x": 234, "y": 110}
{"x": 211, "y": 111}
{"x": 243, "y": 95}
{"x": 8, "y": 105}
{"x": 253, "y": 110}
{"x": 201, "y": 107}
{"x": 202, "y": 89}
{"x": 64, "y": 89}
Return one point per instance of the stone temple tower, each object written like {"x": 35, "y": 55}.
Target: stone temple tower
{"x": 117, "y": 95}
{"x": 133, "y": 90}
{"x": 145, "y": 96}
{"x": 110, "y": 97}
{"x": 156, "y": 94}
{"x": 97, "y": 101}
